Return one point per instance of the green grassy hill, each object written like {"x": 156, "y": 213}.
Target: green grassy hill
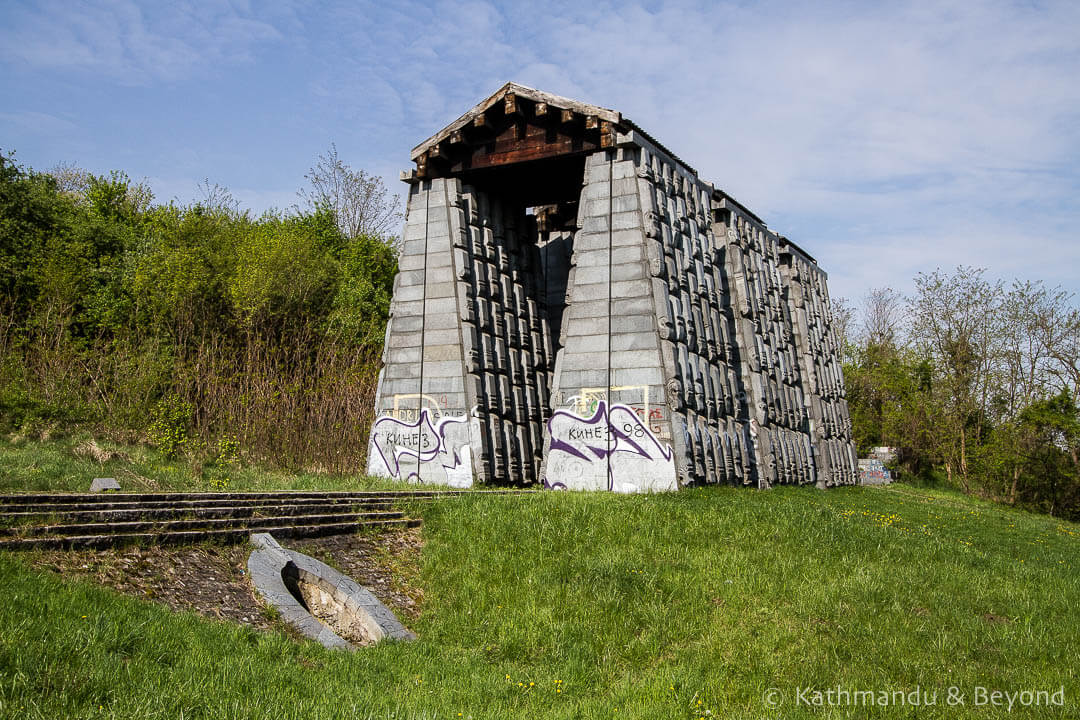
{"x": 70, "y": 463}
{"x": 716, "y": 603}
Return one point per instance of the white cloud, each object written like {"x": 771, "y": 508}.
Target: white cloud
{"x": 885, "y": 138}
{"x": 893, "y": 138}
{"x": 132, "y": 43}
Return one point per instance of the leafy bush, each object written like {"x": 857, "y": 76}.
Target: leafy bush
{"x": 168, "y": 429}
{"x": 187, "y": 324}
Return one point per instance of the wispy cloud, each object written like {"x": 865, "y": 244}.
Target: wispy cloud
{"x": 886, "y": 138}
{"x": 38, "y": 122}
{"x": 133, "y": 43}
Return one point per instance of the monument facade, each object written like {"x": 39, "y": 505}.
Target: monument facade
{"x": 576, "y": 307}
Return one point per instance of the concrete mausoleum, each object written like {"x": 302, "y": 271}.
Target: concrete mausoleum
{"x": 576, "y": 307}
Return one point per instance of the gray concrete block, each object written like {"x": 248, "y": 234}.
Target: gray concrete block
{"x": 443, "y": 306}
{"x": 400, "y": 386}
{"x": 633, "y": 323}
{"x": 442, "y": 368}
{"x": 582, "y": 309}
{"x": 405, "y": 308}
{"x": 443, "y": 403}
{"x": 442, "y": 336}
{"x": 637, "y": 376}
{"x": 626, "y": 221}
{"x": 415, "y": 228}
{"x": 104, "y": 484}
{"x": 408, "y": 293}
{"x": 630, "y": 359}
{"x": 632, "y": 237}
{"x": 408, "y": 278}
{"x": 437, "y": 290}
{"x": 569, "y": 380}
{"x": 624, "y": 169}
{"x": 628, "y": 271}
{"x": 440, "y": 353}
{"x": 402, "y": 339}
{"x": 587, "y": 292}
{"x": 442, "y": 259}
{"x": 405, "y": 324}
{"x": 410, "y": 262}
{"x": 403, "y": 354}
{"x": 622, "y": 341}
{"x": 440, "y": 274}
{"x": 598, "y": 174}
{"x": 402, "y": 370}
{"x": 440, "y": 385}
{"x": 585, "y": 360}
{"x": 623, "y": 187}
{"x": 588, "y": 326}
{"x": 625, "y": 289}
{"x": 623, "y": 306}
{"x": 592, "y": 224}
{"x": 599, "y": 256}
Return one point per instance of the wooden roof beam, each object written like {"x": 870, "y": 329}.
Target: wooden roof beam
{"x": 607, "y": 134}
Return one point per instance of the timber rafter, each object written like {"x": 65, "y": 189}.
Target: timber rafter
{"x": 517, "y": 124}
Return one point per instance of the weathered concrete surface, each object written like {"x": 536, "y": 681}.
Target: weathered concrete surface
{"x": 273, "y": 568}
{"x": 104, "y": 484}
{"x": 642, "y": 333}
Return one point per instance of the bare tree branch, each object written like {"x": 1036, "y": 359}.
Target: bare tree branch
{"x": 360, "y": 202}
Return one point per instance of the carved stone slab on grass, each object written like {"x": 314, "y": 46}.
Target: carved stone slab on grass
{"x": 319, "y": 601}
{"x": 103, "y": 484}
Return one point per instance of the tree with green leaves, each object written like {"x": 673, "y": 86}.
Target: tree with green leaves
{"x": 1049, "y": 432}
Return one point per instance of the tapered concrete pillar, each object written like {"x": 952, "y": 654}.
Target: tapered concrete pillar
{"x": 662, "y": 337}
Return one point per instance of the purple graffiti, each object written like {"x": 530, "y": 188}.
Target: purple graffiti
{"x": 445, "y": 439}
{"x": 605, "y": 435}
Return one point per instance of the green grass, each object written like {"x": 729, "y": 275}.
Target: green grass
{"x": 64, "y": 465}
{"x": 599, "y": 606}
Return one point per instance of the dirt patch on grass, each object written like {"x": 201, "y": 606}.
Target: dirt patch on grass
{"x": 212, "y": 579}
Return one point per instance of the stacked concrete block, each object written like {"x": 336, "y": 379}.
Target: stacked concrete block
{"x": 692, "y": 301}
{"x": 815, "y": 336}
{"x": 770, "y": 361}
{"x": 424, "y": 429}
{"x": 467, "y": 356}
{"x": 506, "y": 335}
{"x": 746, "y": 387}
{"x": 662, "y": 337}
{"x": 610, "y": 426}
{"x": 556, "y": 252}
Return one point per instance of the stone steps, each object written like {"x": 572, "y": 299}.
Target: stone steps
{"x": 150, "y": 526}
{"x": 179, "y": 506}
{"x": 181, "y": 513}
{"x": 79, "y": 520}
{"x": 228, "y": 535}
{"x": 72, "y": 501}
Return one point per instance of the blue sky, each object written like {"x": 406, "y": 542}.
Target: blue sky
{"x": 885, "y": 139}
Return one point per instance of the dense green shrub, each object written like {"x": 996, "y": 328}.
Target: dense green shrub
{"x": 183, "y": 325}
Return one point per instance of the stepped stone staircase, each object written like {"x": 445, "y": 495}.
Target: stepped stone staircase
{"x": 75, "y": 521}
